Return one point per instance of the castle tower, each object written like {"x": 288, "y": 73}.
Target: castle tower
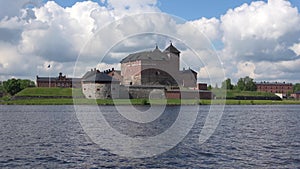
{"x": 172, "y": 50}
{"x": 174, "y": 57}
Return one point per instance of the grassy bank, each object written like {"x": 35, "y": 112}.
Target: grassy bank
{"x": 70, "y": 101}
{"x": 231, "y": 94}
{"x": 44, "y": 91}
{"x": 63, "y": 96}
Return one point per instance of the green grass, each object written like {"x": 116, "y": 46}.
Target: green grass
{"x": 249, "y": 102}
{"x": 44, "y": 91}
{"x": 220, "y": 93}
{"x": 80, "y": 100}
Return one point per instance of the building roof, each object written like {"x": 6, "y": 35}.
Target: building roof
{"x": 46, "y": 79}
{"x": 99, "y": 77}
{"x": 189, "y": 71}
{"x": 59, "y": 78}
{"x": 297, "y": 92}
{"x": 172, "y": 49}
{"x": 273, "y": 83}
{"x": 156, "y": 54}
{"x": 90, "y": 73}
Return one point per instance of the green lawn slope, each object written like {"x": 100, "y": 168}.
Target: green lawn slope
{"x": 64, "y": 96}
{"x": 232, "y": 94}
{"x": 48, "y": 92}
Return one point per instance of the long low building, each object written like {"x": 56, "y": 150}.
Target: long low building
{"x": 275, "y": 87}
{"x": 60, "y": 81}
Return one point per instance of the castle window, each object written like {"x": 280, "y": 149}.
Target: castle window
{"x": 98, "y": 89}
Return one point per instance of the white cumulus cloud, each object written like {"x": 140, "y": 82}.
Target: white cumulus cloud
{"x": 260, "y": 39}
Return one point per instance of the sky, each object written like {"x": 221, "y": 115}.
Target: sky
{"x": 218, "y": 39}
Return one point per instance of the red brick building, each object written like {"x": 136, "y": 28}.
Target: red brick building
{"x": 156, "y": 68}
{"x": 296, "y": 95}
{"x": 60, "y": 81}
{"x": 275, "y": 87}
{"x": 202, "y": 86}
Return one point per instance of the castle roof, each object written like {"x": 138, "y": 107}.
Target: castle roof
{"x": 99, "y": 77}
{"x": 172, "y": 49}
{"x": 156, "y": 54}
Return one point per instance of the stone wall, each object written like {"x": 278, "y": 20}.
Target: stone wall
{"x": 100, "y": 90}
{"x": 160, "y": 92}
{"x": 130, "y": 71}
{"x": 157, "y": 77}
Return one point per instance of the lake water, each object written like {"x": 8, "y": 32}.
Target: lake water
{"x": 246, "y": 137}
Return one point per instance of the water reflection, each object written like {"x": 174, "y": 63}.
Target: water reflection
{"x": 247, "y": 137}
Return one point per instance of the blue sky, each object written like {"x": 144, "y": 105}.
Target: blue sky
{"x": 190, "y": 9}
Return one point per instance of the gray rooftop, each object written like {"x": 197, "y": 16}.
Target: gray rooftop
{"x": 99, "y": 77}
{"x": 156, "y": 54}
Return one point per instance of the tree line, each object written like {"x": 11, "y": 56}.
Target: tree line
{"x": 13, "y": 86}
{"x": 246, "y": 84}
{"x": 243, "y": 84}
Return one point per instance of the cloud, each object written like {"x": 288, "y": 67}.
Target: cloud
{"x": 261, "y": 31}
{"x": 12, "y": 8}
{"x": 261, "y": 35}
{"x": 260, "y": 39}
{"x": 296, "y": 48}
{"x": 130, "y": 7}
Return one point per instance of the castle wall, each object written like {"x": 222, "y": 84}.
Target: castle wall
{"x": 188, "y": 80}
{"x": 100, "y": 90}
{"x": 131, "y": 73}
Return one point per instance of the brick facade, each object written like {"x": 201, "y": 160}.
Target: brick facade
{"x": 283, "y": 88}
{"x": 296, "y": 95}
{"x": 60, "y": 81}
{"x": 156, "y": 67}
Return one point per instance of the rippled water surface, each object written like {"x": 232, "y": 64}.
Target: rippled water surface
{"x": 247, "y": 137}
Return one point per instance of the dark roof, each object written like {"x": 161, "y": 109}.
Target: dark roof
{"x": 99, "y": 77}
{"x": 273, "y": 83}
{"x": 297, "y": 92}
{"x": 59, "y": 78}
{"x": 172, "y": 49}
{"x": 46, "y": 79}
{"x": 156, "y": 54}
{"x": 189, "y": 71}
{"x": 90, "y": 73}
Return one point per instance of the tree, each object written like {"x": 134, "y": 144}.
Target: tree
{"x": 246, "y": 84}
{"x": 1, "y": 88}
{"x": 296, "y": 87}
{"x": 209, "y": 87}
{"x": 227, "y": 84}
{"x": 26, "y": 83}
{"x": 13, "y": 86}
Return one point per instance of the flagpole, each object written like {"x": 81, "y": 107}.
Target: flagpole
{"x": 49, "y": 76}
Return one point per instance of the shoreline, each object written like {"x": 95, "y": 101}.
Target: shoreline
{"x": 170, "y": 102}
